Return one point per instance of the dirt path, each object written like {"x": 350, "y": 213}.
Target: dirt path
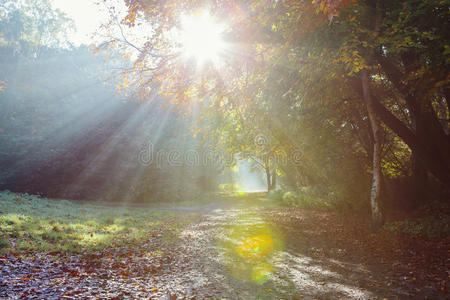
{"x": 216, "y": 269}
{"x": 235, "y": 253}
{"x": 302, "y": 255}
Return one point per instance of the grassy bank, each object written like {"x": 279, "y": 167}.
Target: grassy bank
{"x": 30, "y": 223}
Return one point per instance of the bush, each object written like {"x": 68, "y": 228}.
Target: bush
{"x": 276, "y": 195}
{"x": 305, "y": 197}
{"x": 290, "y": 199}
{"x": 431, "y": 226}
{"x": 4, "y": 243}
{"x": 228, "y": 187}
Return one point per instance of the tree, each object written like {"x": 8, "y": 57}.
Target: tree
{"x": 30, "y": 26}
{"x": 364, "y": 68}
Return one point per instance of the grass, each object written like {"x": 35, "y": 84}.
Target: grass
{"x": 30, "y": 223}
{"x": 203, "y": 199}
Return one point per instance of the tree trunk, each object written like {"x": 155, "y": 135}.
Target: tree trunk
{"x": 419, "y": 179}
{"x": 377, "y": 177}
{"x": 271, "y": 179}
{"x": 419, "y": 176}
{"x": 269, "y": 182}
{"x": 273, "y": 182}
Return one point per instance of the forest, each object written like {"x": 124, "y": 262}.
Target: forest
{"x": 225, "y": 149}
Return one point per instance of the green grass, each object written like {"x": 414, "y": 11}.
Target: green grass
{"x": 203, "y": 199}
{"x": 29, "y": 223}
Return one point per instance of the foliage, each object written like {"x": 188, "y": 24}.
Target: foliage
{"x": 292, "y": 81}
{"x": 28, "y": 27}
{"x": 318, "y": 197}
{"x": 296, "y": 81}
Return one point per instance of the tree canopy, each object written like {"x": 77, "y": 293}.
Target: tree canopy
{"x": 360, "y": 86}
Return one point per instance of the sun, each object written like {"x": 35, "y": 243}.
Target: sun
{"x": 201, "y": 38}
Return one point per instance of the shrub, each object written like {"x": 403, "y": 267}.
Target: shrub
{"x": 228, "y": 187}
{"x": 431, "y": 226}
{"x": 4, "y": 243}
{"x": 276, "y": 195}
{"x": 306, "y": 197}
{"x": 290, "y": 199}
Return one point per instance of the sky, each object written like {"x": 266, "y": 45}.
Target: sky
{"x": 87, "y": 17}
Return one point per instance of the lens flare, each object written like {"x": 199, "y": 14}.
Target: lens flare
{"x": 256, "y": 247}
{"x": 261, "y": 273}
{"x": 249, "y": 248}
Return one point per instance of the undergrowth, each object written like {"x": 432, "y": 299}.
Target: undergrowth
{"x": 434, "y": 222}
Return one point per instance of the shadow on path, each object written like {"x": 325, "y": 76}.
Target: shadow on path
{"x": 220, "y": 269}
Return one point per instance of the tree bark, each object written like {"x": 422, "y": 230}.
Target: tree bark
{"x": 273, "y": 183}
{"x": 268, "y": 176}
{"x": 377, "y": 177}
{"x": 419, "y": 180}
{"x": 419, "y": 176}
{"x": 271, "y": 179}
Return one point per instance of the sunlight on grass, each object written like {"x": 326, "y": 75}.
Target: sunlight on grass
{"x": 30, "y": 223}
